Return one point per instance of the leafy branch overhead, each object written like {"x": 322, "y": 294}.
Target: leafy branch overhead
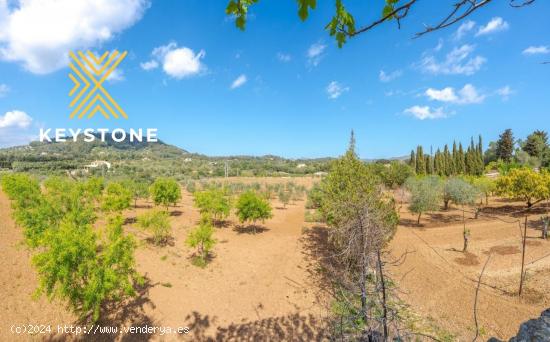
{"x": 342, "y": 25}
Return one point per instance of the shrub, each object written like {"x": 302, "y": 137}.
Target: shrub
{"x": 213, "y": 203}
{"x": 201, "y": 238}
{"x": 165, "y": 191}
{"x": 158, "y": 223}
{"x": 116, "y": 198}
{"x": 87, "y": 271}
{"x": 251, "y": 208}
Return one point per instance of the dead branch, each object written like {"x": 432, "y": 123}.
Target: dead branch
{"x": 477, "y": 294}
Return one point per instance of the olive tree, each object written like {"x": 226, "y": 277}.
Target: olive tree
{"x": 426, "y": 194}
{"x": 462, "y": 193}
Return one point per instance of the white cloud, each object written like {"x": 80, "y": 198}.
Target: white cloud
{"x": 284, "y": 57}
{"x": 467, "y": 95}
{"x": 4, "y": 89}
{"x": 535, "y": 50}
{"x": 425, "y": 112}
{"x": 150, "y": 65}
{"x": 116, "y": 76}
{"x": 458, "y": 61}
{"x": 505, "y": 92}
{"x": 315, "y": 53}
{"x": 15, "y": 118}
{"x": 40, "y": 33}
{"x": 463, "y": 29}
{"x": 335, "y": 89}
{"x": 497, "y": 24}
{"x": 384, "y": 77}
{"x": 239, "y": 81}
{"x": 177, "y": 62}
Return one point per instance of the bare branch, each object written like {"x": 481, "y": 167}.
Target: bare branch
{"x": 477, "y": 293}
{"x": 453, "y": 18}
{"x": 524, "y": 3}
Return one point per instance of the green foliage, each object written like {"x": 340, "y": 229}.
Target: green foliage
{"x": 165, "y": 191}
{"x": 251, "y": 207}
{"x": 314, "y": 197}
{"x": 77, "y": 265}
{"x": 460, "y": 191}
{"x": 214, "y": 203}
{"x": 116, "y": 197}
{"x": 505, "y": 146}
{"x": 239, "y": 10}
{"x": 74, "y": 263}
{"x": 536, "y": 144}
{"x": 396, "y": 174}
{"x": 138, "y": 188}
{"x": 201, "y": 238}
{"x": 525, "y": 184}
{"x": 341, "y": 25}
{"x": 426, "y": 194}
{"x": 284, "y": 197}
{"x": 158, "y": 223}
{"x": 485, "y": 186}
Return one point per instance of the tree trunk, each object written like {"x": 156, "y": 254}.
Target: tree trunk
{"x": 446, "y": 202}
{"x": 384, "y": 306}
{"x": 545, "y": 228}
{"x": 521, "y": 279}
{"x": 418, "y": 221}
{"x": 466, "y": 237}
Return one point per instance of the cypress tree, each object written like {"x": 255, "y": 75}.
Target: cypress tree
{"x": 429, "y": 165}
{"x": 448, "y": 163}
{"x": 461, "y": 164}
{"x": 412, "y": 161}
{"x": 420, "y": 161}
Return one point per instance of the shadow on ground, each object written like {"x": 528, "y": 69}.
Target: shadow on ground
{"x": 285, "y": 328}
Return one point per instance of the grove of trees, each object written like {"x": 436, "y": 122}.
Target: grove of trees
{"x": 74, "y": 263}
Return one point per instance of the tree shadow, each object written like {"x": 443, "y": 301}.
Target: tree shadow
{"x": 320, "y": 262}
{"x": 129, "y": 312}
{"x": 168, "y": 241}
{"x": 515, "y": 210}
{"x": 142, "y": 206}
{"x": 130, "y": 220}
{"x": 294, "y": 327}
{"x": 176, "y": 213}
{"x": 250, "y": 229}
{"x": 221, "y": 223}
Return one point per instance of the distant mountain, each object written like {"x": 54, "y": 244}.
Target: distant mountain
{"x": 147, "y": 159}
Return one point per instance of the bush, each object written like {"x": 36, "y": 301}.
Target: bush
{"x": 165, "y": 191}
{"x": 158, "y": 223}
{"x": 201, "y": 238}
{"x": 77, "y": 266}
{"x": 251, "y": 208}
{"x": 116, "y": 198}
{"x": 213, "y": 203}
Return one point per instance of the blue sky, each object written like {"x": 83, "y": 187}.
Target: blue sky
{"x": 281, "y": 87}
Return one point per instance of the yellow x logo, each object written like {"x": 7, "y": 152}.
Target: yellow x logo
{"x": 87, "y": 67}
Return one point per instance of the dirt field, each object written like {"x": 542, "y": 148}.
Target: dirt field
{"x": 262, "y": 286}
{"x": 439, "y": 281}
{"x": 255, "y": 287}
